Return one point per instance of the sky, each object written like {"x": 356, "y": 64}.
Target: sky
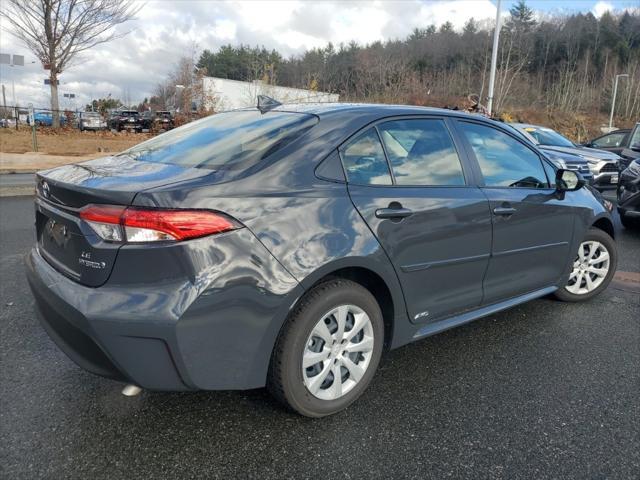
{"x": 165, "y": 30}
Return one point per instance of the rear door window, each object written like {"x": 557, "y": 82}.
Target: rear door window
{"x": 364, "y": 160}
{"x": 421, "y": 152}
{"x": 225, "y": 141}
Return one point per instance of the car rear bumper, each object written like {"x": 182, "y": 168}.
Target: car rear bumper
{"x": 171, "y": 335}
{"x": 110, "y": 349}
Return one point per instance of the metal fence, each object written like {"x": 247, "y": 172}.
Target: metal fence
{"x": 16, "y": 117}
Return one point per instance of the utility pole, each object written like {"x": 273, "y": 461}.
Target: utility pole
{"x": 613, "y": 102}
{"x": 494, "y": 59}
{"x": 4, "y": 104}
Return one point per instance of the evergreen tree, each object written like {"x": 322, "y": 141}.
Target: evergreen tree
{"x": 522, "y": 18}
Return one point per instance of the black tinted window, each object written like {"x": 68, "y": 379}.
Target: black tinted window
{"x": 421, "y": 152}
{"x": 364, "y": 160}
{"x": 230, "y": 140}
{"x": 504, "y": 161}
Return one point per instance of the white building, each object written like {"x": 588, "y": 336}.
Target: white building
{"x": 222, "y": 94}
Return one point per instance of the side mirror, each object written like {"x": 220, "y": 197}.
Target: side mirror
{"x": 568, "y": 180}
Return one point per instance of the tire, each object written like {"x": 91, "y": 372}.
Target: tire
{"x": 571, "y": 291}
{"x": 303, "y": 334}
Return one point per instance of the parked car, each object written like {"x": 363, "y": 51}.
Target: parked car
{"x": 631, "y": 148}
{"x": 289, "y": 246}
{"x": 146, "y": 120}
{"x": 603, "y": 165}
{"x": 7, "y": 122}
{"x": 164, "y": 120}
{"x": 159, "y": 121}
{"x": 92, "y": 121}
{"x": 125, "y": 120}
{"x": 45, "y": 119}
{"x": 563, "y": 160}
{"x": 612, "y": 142}
{"x": 629, "y": 195}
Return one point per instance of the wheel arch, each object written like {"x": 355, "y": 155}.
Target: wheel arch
{"x": 376, "y": 285}
{"x": 605, "y": 224}
{"x": 377, "y": 278}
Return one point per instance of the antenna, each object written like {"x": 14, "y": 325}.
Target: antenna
{"x": 267, "y": 103}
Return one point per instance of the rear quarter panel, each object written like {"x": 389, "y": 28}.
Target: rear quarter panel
{"x": 309, "y": 225}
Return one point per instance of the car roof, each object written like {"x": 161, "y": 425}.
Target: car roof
{"x": 325, "y": 109}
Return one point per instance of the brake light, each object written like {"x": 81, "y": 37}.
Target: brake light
{"x": 133, "y": 224}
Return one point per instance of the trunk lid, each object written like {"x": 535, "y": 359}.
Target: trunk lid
{"x": 66, "y": 241}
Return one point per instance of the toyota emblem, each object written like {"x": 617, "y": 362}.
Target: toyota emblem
{"x": 45, "y": 189}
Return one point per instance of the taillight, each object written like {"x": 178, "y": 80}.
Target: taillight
{"x": 134, "y": 224}
{"x": 105, "y": 220}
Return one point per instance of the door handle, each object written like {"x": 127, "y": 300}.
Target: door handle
{"x": 505, "y": 211}
{"x": 393, "y": 213}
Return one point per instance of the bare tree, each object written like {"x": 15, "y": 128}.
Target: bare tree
{"x": 56, "y": 31}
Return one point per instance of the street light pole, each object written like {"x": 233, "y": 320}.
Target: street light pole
{"x": 613, "y": 102}
{"x": 494, "y": 59}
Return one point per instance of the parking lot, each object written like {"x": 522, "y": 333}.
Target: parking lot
{"x": 545, "y": 390}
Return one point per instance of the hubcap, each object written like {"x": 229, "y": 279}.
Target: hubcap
{"x": 589, "y": 268}
{"x": 338, "y": 352}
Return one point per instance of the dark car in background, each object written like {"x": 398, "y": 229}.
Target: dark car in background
{"x": 164, "y": 120}
{"x": 157, "y": 121}
{"x": 128, "y": 120}
{"x": 603, "y": 164}
{"x": 614, "y": 142}
{"x": 146, "y": 120}
{"x": 289, "y": 246}
{"x": 629, "y": 195}
{"x": 631, "y": 148}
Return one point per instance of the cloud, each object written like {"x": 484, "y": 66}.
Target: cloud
{"x": 601, "y": 8}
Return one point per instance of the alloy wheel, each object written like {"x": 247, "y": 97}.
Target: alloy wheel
{"x": 337, "y": 352}
{"x": 590, "y": 268}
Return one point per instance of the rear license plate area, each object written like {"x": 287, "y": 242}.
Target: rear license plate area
{"x": 58, "y": 243}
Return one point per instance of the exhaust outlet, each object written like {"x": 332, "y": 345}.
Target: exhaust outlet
{"x": 131, "y": 390}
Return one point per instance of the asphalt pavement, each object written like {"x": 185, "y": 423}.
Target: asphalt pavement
{"x": 544, "y": 390}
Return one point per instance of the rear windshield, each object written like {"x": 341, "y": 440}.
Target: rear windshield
{"x": 229, "y": 140}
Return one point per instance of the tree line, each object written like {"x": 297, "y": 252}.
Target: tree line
{"x": 557, "y": 62}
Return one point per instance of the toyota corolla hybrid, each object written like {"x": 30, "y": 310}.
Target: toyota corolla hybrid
{"x": 289, "y": 246}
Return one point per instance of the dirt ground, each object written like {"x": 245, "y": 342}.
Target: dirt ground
{"x": 68, "y": 142}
